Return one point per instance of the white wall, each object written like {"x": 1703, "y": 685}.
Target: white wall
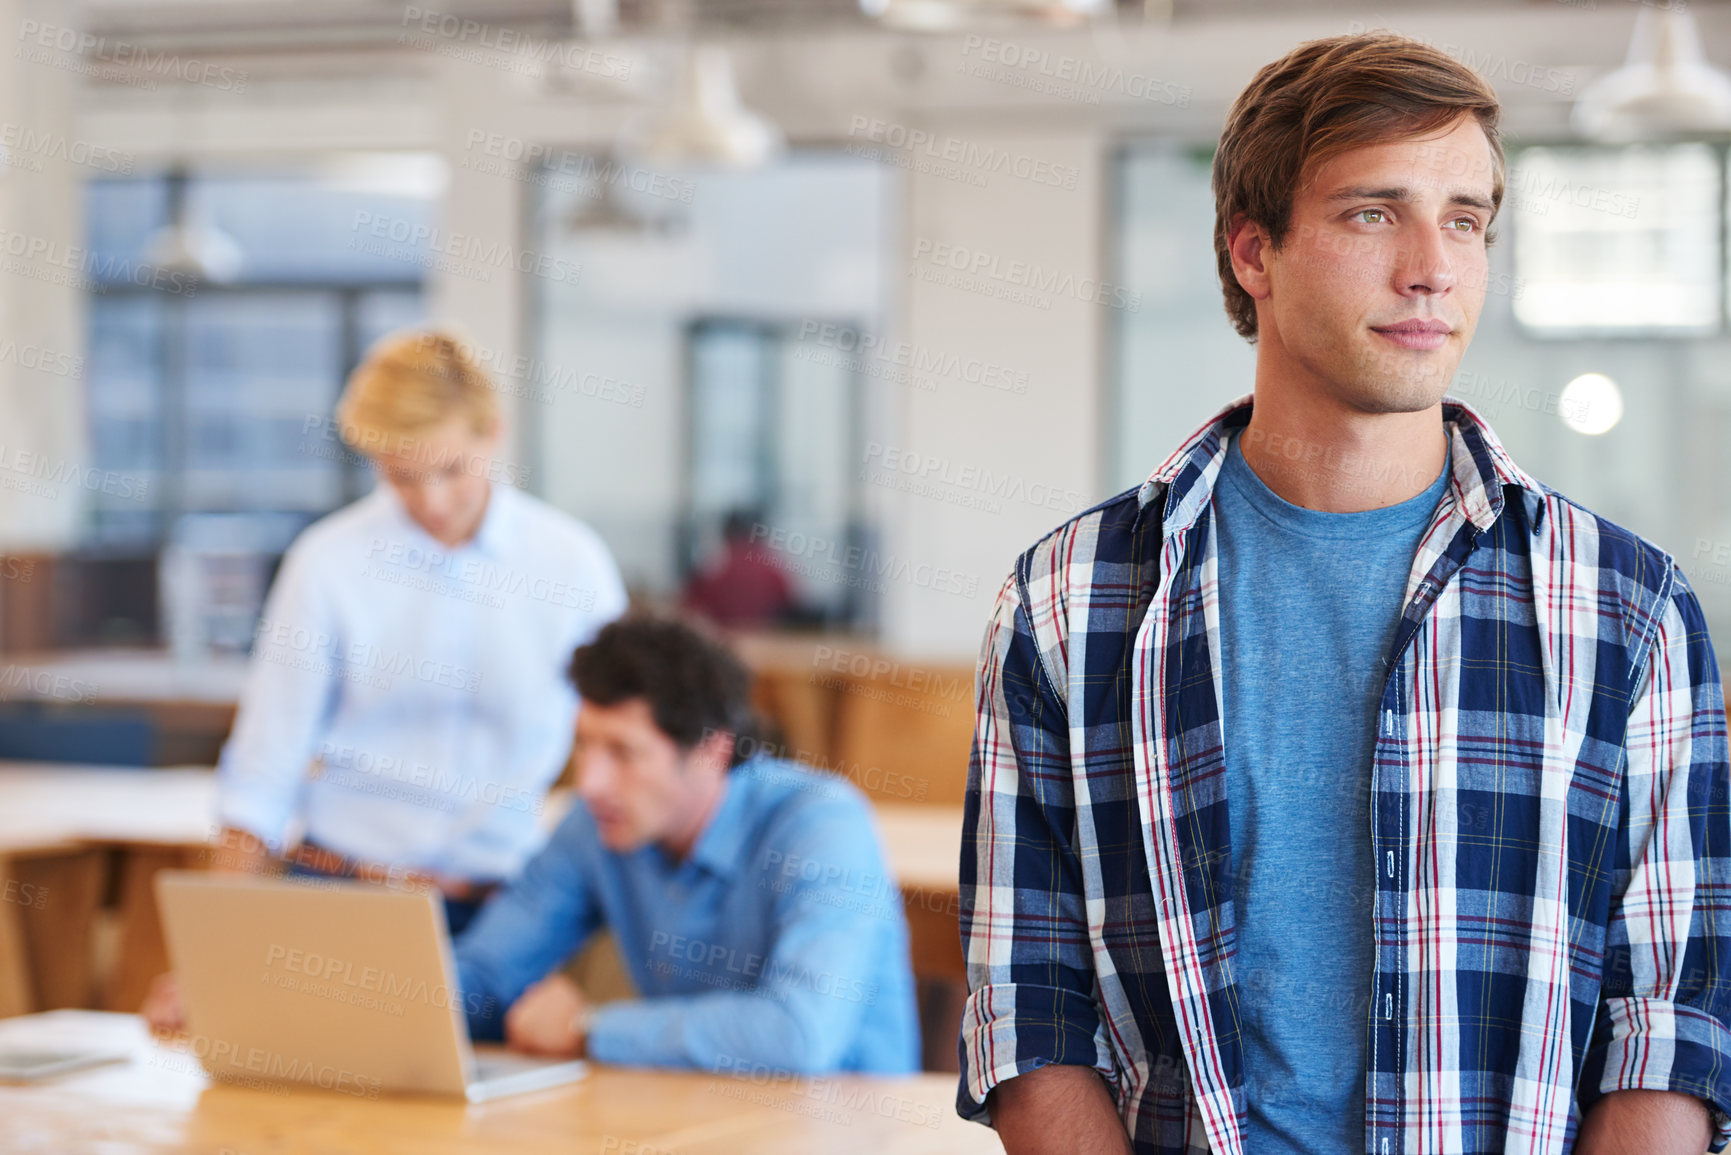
{"x": 44, "y": 455}
{"x": 1008, "y": 466}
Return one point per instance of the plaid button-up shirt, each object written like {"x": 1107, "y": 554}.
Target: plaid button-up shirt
{"x": 1549, "y": 823}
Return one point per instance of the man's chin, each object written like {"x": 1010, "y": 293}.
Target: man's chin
{"x": 618, "y": 839}
{"x": 1403, "y": 388}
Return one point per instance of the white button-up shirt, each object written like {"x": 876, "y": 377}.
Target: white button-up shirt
{"x": 408, "y": 702}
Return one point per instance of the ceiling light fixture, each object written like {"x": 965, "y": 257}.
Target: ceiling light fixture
{"x": 1664, "y": 88}
{"x": 706, "y": 123}
{"x": 187, "y": 245}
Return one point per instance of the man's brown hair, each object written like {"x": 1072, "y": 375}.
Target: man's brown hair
{"x": 694, "y": 684}
{"x": 1322, "y": 99}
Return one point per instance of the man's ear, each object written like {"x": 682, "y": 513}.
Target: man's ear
{"x": 716, "y": 748}
{"x": 1248, "y": 245}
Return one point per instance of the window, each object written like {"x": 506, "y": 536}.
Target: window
{"x": 1177, "y": 359}
{"x": 212, "y": 401}
{"x": 682, "y": 376}
{"x": 774, "y": 432}
{"x": 1617, "y": 240}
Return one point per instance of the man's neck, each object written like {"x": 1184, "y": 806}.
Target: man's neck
{"x": 471, "y": 530}
{"x": 1319, "y": 453}
{"x": 678, "y": 845}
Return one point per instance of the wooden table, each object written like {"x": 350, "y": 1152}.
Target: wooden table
{"x": 58, "y": 822}
{"x": 160, "y": 1102}
{"x": 924, "y": 845}
{"x": 58, "y": 827}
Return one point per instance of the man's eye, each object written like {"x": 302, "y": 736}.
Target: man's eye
{"x": 1471, "y": 225}
{"x": 1379, "y": 214}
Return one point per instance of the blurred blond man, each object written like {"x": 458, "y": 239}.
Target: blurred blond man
{"x": 407, "y": 705}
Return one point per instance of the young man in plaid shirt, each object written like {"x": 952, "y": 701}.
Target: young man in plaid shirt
{"x": 1343, "y": 788}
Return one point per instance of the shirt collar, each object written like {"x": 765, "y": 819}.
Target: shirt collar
{"x": 719, "y": 848}
{"x": 1479, "y": 468}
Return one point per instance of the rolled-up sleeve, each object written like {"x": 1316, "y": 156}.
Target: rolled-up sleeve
{"x": 1664, "y": 1019}
{"x": 1024, "y": 917}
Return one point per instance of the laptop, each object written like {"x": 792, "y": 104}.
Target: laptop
{"x": 341, "y": 985}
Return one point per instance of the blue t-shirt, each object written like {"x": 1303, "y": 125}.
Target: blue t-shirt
{"x": 1309, "y": 604}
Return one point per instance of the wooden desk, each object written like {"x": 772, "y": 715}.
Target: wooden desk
{"x": 160, "y": 1103}
{"x": 57, "y": 821}
{"x": 59, "y": 825}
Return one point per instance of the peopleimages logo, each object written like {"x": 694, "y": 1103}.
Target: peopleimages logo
{"x": 1064, "y": 76}
{"x": 758, "y": 972}
{"x": 86, "y": 46}
{"x": 506, "y": 48}
{"x": 989, "y": 268}
{"x": 38, "y": 683}
{"x": 515, "y": 153}
{"x": 1494, "y": 66}
{"x": 256, "y": 1067}
{"x": 921, "y": 362}
{"x": 885, "y": 462}
{"x": 83, "y": 269}
{"x": 391, "y": 775}
{"x": 989, "y": 159}
{"x": 831, "y": 1099}
{"x": 39, "y": 474}
{"x": 825, "y": 559}
{"x": 29, "y": 146}
{"x": 24, "y": 894}
{"x": 365, "y": 980}
{"x": 479, "y": 252}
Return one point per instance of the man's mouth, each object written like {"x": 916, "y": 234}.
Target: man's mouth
{"x": 1417, "y": 333}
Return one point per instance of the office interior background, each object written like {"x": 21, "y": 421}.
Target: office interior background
{"x": 906, "y": 283}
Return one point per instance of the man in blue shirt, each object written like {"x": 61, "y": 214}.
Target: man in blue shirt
{"x": 748, "y": 896}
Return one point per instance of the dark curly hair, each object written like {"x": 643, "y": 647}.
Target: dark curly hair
{"x": 694, "y": 684}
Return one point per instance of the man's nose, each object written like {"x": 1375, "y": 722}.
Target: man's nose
{"x": 593, "y": 777}
{"x": 1425, "y": 267}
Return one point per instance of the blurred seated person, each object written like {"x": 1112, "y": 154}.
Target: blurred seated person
{"x": 748, "y": 896}
{"x": 407, "y": 705}
{"x": 744, "y": 587}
